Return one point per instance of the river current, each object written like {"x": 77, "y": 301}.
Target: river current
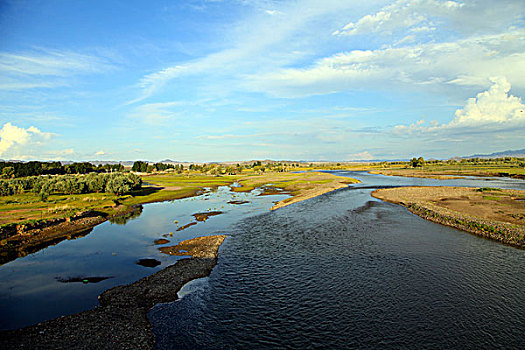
{"x": 342, "y": 270}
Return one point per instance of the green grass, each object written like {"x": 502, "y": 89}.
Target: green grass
{"x": 492, "y": 198}
{"x": 27, "y": 206}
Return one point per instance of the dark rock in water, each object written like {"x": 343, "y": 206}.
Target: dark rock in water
{"x": 93, "y": 279}
{"x": 186, "y": 226}
{"x": 238, "y": 202}
{"x": 161, "y": 241}
{"x": 148, "y": 262}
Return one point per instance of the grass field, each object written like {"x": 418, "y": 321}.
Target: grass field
{"x": 157, "y": 188}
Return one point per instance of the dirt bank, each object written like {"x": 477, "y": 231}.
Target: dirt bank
{"x": 120, "y": 322}
{"x": 444, "y": 174}
{"x": 23, "y": 239}
{"x": 490, "y": 213}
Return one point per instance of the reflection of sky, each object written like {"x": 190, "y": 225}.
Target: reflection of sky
{"x": 466, "y": 181}
{"x": 29, "y": 286}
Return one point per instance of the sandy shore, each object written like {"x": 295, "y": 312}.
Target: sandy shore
{"x": 490, "y": 213}
{"x": 442, "y": 174}
{"x": 311, "y": 193}
{"x": 414, "y": 173}
{"x": 120, "y": 322}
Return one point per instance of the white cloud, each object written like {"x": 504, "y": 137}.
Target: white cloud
{"x": 471, "y": 61}
{"x": 156, "y": 113}
{"x": 492, "y": 106}
{"x": 273, "y": 12}
{"x": 493, "y": 109}
{"x": 12, "y": 136}
{"x": 100, "y": 153}
{"x": 46, "y": 68}
{"x": 401, "y": 14}
{"x": 365, "y": 155}
{"x": 271, "y": 38}
{"x": 155, "y": 81}
{"x": 425, "y": 16}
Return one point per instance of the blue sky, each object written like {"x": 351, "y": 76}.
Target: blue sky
{"x": 203, "y": 80}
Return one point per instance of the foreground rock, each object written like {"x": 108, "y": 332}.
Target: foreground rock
{"x": 120, "y": 322}
{"x": 487, "y": 212}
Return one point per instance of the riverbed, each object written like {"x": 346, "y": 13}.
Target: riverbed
{"x": 340, "y": 270}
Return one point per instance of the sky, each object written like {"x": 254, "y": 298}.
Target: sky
{"x": 223, "y": 80}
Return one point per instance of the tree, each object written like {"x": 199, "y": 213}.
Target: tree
{"x": 8, "y": 172}
{"x": 96, "y": 182}
{"x": 139, "y": 166}
{"x": 417, "y": 162}
{"x": 118, "y": 184}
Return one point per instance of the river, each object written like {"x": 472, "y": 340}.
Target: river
{"x": 342, "y": 270}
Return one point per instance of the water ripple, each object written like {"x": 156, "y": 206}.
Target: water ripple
{"x": 345, "y": 271}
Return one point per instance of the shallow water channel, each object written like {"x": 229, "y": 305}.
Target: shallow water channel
{"x": 66, "y": 278}
{"x": 342, "y": 270}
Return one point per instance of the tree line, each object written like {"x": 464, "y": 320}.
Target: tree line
{"x": 36, "y": 168}
{"x": 116, "y": 183}
{"x": 145, "y": 167}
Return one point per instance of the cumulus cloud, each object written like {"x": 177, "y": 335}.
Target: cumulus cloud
{"x": 12, "y": 136}
{"x": 491, "y": 109}
{"x": 492, "y": 106}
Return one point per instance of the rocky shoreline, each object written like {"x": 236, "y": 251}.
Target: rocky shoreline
{"x": 120, "y": 321}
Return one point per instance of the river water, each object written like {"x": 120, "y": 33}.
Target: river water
{"x": 342, "y": 270}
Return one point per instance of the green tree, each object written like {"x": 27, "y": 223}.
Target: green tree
{"x": 96, "y": 182}
{"x": 118, "y": 184}
{"x": 8, "y": 172}
{"x": 417, "y": 162}
{"x": 140, "y": 166}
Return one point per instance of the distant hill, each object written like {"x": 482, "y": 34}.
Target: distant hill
{"x": 520, "y": 153}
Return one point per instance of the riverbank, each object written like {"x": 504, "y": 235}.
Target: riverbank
{"x": 444, "y": 173}
{"x": 23, "y": 239}
{"x": 120, "y": 321}
{"x": 491, "y": 213}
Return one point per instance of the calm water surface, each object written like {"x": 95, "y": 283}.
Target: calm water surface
{"x": 30, "y": 287}
{"x": 342, "y": 270}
